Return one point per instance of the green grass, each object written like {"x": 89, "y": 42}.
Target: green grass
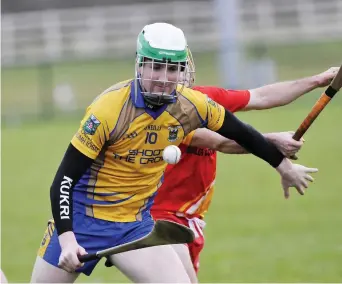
{"x": 252, "y": 233}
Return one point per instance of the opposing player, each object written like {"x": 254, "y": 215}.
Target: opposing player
{"x": 185, "y": 195}
{"x": 104, "y": 187}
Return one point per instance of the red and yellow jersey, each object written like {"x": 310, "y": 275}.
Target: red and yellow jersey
{"x": 188, "y": 185}
{"x": 126, "y": 140}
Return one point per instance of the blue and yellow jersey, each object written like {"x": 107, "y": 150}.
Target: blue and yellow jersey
{"x": 126, "y": 140}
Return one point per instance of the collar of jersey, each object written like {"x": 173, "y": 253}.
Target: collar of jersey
{"x": 137, "y": 100}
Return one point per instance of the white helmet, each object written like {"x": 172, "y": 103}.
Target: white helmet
{"x": 161, "y": 43}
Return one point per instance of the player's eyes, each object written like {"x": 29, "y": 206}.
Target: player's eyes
{"x": 157, "y": 66}
{"x": 172, "y": 68}
{"x": 161, "y": 66}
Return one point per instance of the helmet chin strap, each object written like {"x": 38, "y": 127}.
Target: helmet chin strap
{"x": 159, "y": 100}
{"x": 151, "y": 103}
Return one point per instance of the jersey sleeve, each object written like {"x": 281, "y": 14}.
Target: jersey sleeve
{"x": 210, "y": 112}
{"x": 187, "y": 139}
{"x": 215, "y": 116}
{"x": 92, "y": 133}
{"x": 233, "y": 100}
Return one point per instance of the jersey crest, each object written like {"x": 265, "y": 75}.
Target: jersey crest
{"x": 91, "y": 124}
{"x": 173, "y": 133}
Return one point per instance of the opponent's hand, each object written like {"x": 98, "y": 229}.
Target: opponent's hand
{"x": 324, "y": 79}
{"x": 293, "y": 175}
{"x": 285, "y": 143}
{"x": 68, "y": 259}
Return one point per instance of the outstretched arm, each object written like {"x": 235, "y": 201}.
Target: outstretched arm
{"x": 283, "y": 93}
{"x": 206, "y": 138}
{"x": 292, "y": 175}
{"x": 250, "y": 139}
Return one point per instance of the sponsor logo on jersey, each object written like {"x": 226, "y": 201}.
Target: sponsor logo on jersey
{"x": 153, "y": 127}
{"x": 130, "y": 135}
{"x": 91, "y": 125}
{"x": 85, "y": 140}
{"x": 210, "y": 101}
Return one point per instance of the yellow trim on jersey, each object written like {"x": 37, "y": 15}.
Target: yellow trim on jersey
{"x": 187, "y": 140}
{"x": 208, "y": 109}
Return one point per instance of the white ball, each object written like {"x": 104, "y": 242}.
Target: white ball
{"x": 171, "y": 154}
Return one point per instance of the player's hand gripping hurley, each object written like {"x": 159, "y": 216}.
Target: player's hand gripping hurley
{"x": 163, "y": 233}
{"x": 320, "y": 104}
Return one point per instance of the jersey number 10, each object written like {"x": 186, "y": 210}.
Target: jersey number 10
{"x": 151, "y": 138}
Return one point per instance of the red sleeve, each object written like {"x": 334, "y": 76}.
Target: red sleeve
{"x": 233, "y": 100}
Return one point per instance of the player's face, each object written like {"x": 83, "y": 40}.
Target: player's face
{"x": 159, "y": 77}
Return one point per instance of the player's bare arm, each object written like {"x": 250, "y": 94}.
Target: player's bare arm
{"x": 283, "y": 93}
{"x": 292, "y": 175}
{"x": 285, "y": 142}
{"x": 71, "y": 169}
{"x": 205, "y": 138}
